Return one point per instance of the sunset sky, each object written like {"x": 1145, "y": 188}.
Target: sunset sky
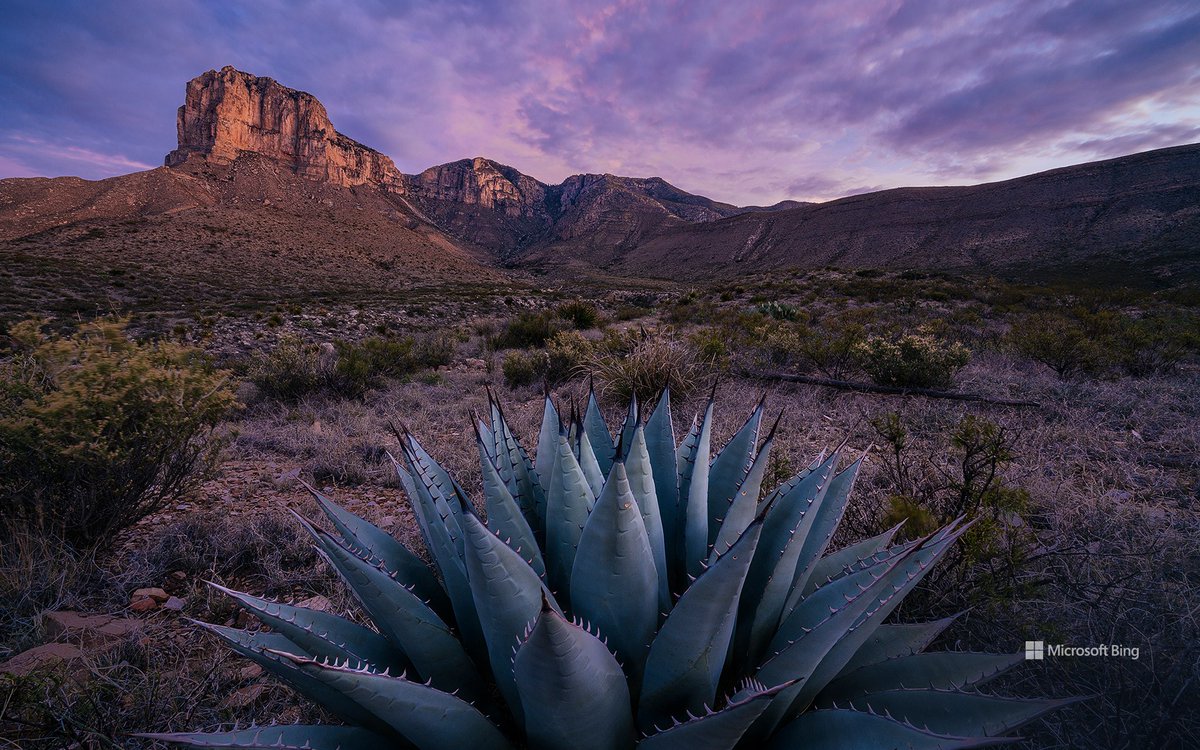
{"x": 745, "y": 102}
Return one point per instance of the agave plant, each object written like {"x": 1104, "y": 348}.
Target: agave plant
{"x": 623, "y": 593}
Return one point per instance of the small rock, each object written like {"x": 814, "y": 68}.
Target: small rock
{"x": 89, "y": 630}
{"x": 41, "y": 657}
{"x": 179, "y": 575}
{"x": 175, "y": 604}
{"x": 250, "y": 672}
{"x": 244, "y": 697}
{"x": 318, "y": 602}
{"x": 387, "y": 522}
{"x": 143, "y": 605}
{"x": 156, "y": 594}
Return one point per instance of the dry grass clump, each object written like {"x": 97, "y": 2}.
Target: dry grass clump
{"x": 655, "y": 361}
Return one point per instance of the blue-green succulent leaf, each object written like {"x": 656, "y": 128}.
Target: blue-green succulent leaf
{"x": 429, "y": 718}
{"x": 743, "y": 507}
{"x": 323, "y": 634}
{"x": 942, "y": 670}
{"x": 729, "y": 469}
{"x": 406, "y": 622}
{"x": 547, "y": 445}
{"x": 261, "y": 648}
{"x": 835, "y": 564}
{"x": 573, "y": 690}
{"x": 508, "y": 596}
{"x": 640, "y": 471}
{"x": 828, "y": 516}
{"x": 370, "y": 540}
{"x": 660, "y": 445}
{"x": 290, "y": 737}
{"x": 598, "y": 435}
{"x": 614, "y": 586}
{"x": 892, "y": 640}
{"x": 695, "y": 502}
{"x": 716, "y": 730}
{"x": 568, "y": 503}
{"x": 504, "y": 517}
{"x": 843, "y": 729}
{"x": 957, "y": 713}
{"x": 588, "y": 463}
{"x": 688, "y": 654}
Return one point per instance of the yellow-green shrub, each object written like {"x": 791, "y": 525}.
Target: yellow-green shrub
{"x": 97, "y": 431}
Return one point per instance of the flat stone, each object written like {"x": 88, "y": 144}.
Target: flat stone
{"x": 175, "y": 604}
{"x": 156, "y": 594}
{"x": 250, "y": 672}
{"x": 46, "y": 656}
{"x": 141, "y": 606}
{"x": 318, "y": 602}
{"x": 89, "y": 630}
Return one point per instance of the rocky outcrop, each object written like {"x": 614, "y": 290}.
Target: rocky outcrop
{"x": 227, "y": 113}
{"x": 484, "y": 183}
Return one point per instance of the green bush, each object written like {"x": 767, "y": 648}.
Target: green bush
{"x": 914, "y": 360}
{"x": 830, "y": 348}
{"x": 528, "y": 330}
{"x": 98, "y": 431}
{"x": 780, "y": 310}
{"x": 560, "y": 361}
{"x": 582, "y": 315}
{"x": 1059, "y": 342}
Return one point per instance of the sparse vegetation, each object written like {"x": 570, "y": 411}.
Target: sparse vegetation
{"x": 912, "y": 360}
{"x": 98, "y": 431}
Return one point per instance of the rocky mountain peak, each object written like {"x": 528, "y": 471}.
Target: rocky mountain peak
{"x": 227, "y": 113}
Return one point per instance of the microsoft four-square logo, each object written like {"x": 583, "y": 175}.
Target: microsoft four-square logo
{"x": 1035, "y": 649}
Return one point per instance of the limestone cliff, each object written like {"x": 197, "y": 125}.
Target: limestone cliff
{"x": 227, "y": 113}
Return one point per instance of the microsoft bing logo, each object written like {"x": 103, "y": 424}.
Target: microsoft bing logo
{"x": 1035, "y": 650}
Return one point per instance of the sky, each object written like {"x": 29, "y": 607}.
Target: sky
{"x": 744, "y": 102}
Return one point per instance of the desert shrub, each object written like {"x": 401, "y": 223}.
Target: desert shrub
{"x": 915, "y": 360}
{"x": 927, "y": 491}
{"x": 654, "y": 362}
{"x": 779, "y": 310}
{"x": 1156, "y": 343}
{"x": 830, "y": 347}
{"x": 582, "y": 315}
{"x": 291, "y": 370}
{"x": 1059, "y": 342}
{"x": 711, "y": 345}
{"x": 527, "y": 331}
{"x": 97, "y": 431}
{"x": 560, "y": 361}
{"x": 294, "y": 368}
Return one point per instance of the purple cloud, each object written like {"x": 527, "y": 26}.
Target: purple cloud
{"x": 743, "y": 102}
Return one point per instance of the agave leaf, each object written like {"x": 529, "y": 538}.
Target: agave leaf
{"x": 686, "y": 657}
{"x": 381, "y": 547}
{"x": 628, "y": 425}
{"x": 890, "y": 641}
{"x": 842, "y": 729}
{"x": 660, "y": 446}
{"x": 518, "y": 471}
{"x": 835, "y": 564}
{"x": 436, "y": 528}
{"x": 641, "y": 482}
{"x": 729, "y": 469}
{"x": 825, "y": 522}
{"x": 508, "y": 596}
{"x": 406, "y": 621}
{"x": 436, "y": 479}
{"x": 821, "y": 648}
{"x": 821, "y": 634}
{"x": 598, "y": 435}
{"x": 744, "y": 505}
{"x": 677, "y": 563}
{"x": 261, "y": 648}
{"x": 322, "y": 634}
{"x": 568, "y": 503}
{"x": 614, "y": 585}
{"x": 547, "y": 446}
{"x": 291, "y": 737}
{"x": 504, "y": 517}
{"x": 695, "y": 502}
{"x": 574, "y": 692}
{"x": 437, "y": 504}
{"x": 957, "y": 713}
{"x": 587, "y": 462}
{"x": 427, "y": 717}
{"x": 716, "y": 730}
{"x": 944, "y": 670}
{"x": 785, "y": 527}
